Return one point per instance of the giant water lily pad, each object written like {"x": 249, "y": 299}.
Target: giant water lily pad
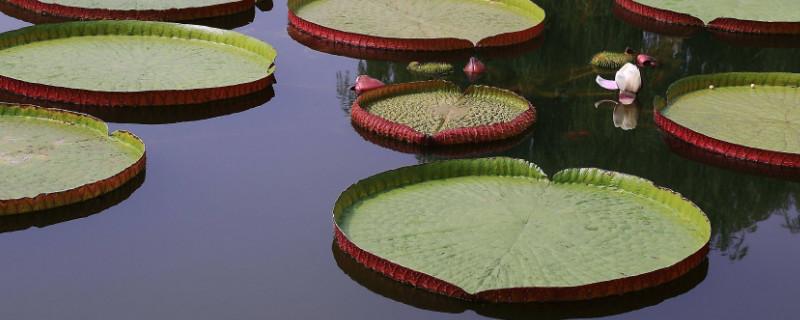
{"x": 500, "y": 230}
{"x": 419, "y": 24}
{"x": 437, "y": 113}
{"x": 752, "y": 16}
{"x": 132, "y": 63}
{"x": 751, "y": 116}
{"x": 159, "y": 10}
{"x": 50, "y": 158}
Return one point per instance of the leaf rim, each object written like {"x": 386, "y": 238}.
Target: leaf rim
{"x": 57, "y": 198}
{"x": 45, "y": 32}
{"x": 518, "y": 167}
{"x": 461, "y": 135}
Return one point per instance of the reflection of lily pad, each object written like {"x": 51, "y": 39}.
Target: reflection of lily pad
{"x": 593, "y": 308}
{"x": 754, "y": 16}
{"x": 132, "y": 63}
{"x": 751, "y": 116}
{"x": 155, "y": 114}
{"x": 158, "y": 10}
{"x": 499, "y": 230}
{"x": 419, "y": 24}
{"x": 83, "y": 209}
{"x": 437, "y": 113}
{"x": 50, "y": 158}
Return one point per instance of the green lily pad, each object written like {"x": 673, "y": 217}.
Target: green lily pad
{"x": 437, "y": 113}
{"x": 419, "y": 24}
{"x": 755, "y": 16}
{"x": 132, "y": 63}
{"x": 751, "y": 116}
{"x": 159, "y": 10}
{"x": 50, "y": 158}
{"x": 499, "y": 230}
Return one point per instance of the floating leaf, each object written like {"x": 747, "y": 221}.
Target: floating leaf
{"x": 419, "y": 24}
{"x": 751, "y": 116}
{"x": 430, "y": 69}
{"x": 51, "y": 158}
{"x": 500, "y": 230}
{"x": 157, "y": 10}
{"x": 437, "y": 113}
{"x": 751, "y": 16}
{"x": 132, "y": 63}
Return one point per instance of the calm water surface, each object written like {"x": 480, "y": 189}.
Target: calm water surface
{"x": 233, "y": 219}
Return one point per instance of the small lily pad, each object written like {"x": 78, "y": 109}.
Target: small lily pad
{"x": 132, "y": 63}
{"x": 499, "y": 230}
{"x": 751, "y": 116}
{"x": 156, "y": 10}
{"x": 51, "y": 158}
{"x": 437, "y": 113}
{"x": 419, "y": 24}
{"x": 750, "y": 16}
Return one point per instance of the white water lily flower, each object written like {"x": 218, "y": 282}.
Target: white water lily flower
{"x": 628, "y": 80}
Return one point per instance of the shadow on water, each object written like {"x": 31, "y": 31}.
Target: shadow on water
{"x": 231, "y": 21}
{"x": 83, "y": 209}
{"x": 444, "y": 151}
{"x": 455, "y": 56}
{"x": 155, "y": 114}
{"x": 427, "y": 300}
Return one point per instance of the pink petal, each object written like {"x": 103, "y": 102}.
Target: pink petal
{"x": 365, "y": 83}
{"x": 607, "y": 84}
{"x": 626, "y": 97}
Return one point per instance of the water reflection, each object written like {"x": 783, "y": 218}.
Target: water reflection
{"x": 44, "y": 218}
{"x": 406, "y": 56}
{"x": 264, "y": 5}
{"x": 695, "y": 153}
{"x": 229, "y": 22}
{"x": 427, "y": 300}
{"x": 155, "y": 114}
{"x": 443, "y": 151}
{"x": 624, "y": 116}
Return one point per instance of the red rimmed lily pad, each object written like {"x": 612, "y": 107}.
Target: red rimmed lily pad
{"x": 755, "y": 16}
{"x": 153, "y": 10}
{"x": 438, "y": 113}
{"x": 419, "y": 24}
{"x": 751, "y": 116}
{"x": 50, "y": 158}
{"x": 133, "y": 63}
{"x": 499, "y": 230}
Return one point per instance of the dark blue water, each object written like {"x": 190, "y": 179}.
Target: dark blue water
{"x": 233, "y": 218}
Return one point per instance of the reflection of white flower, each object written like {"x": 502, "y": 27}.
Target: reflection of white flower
{"x": 626, "y": 116}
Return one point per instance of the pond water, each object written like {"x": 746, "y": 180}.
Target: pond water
{"x": 233, "y": 218}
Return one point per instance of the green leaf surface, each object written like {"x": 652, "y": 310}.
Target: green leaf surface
{"x": 136, "y": 4}
{"x": 499, "y": 223}
{"x": 44, "y": 151}
{"x": 440, "y": 106}
{"x": 472, "y": 20}
{"x": 132, "y": 56}
{"x": 757, "y": 110}
{"x": 758, "y": 10}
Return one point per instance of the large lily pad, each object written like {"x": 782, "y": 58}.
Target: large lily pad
{"x": 437, "y": 113}
{"x": 419, "y": 24}
{"x": 752, "y": 16}
{"x": 751, "y": 116}
{"x": 132, "y": 63}
{"x": 50, "y": 158}
{"x": 158, "y": 10}
{"x": 499, "y": 230}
